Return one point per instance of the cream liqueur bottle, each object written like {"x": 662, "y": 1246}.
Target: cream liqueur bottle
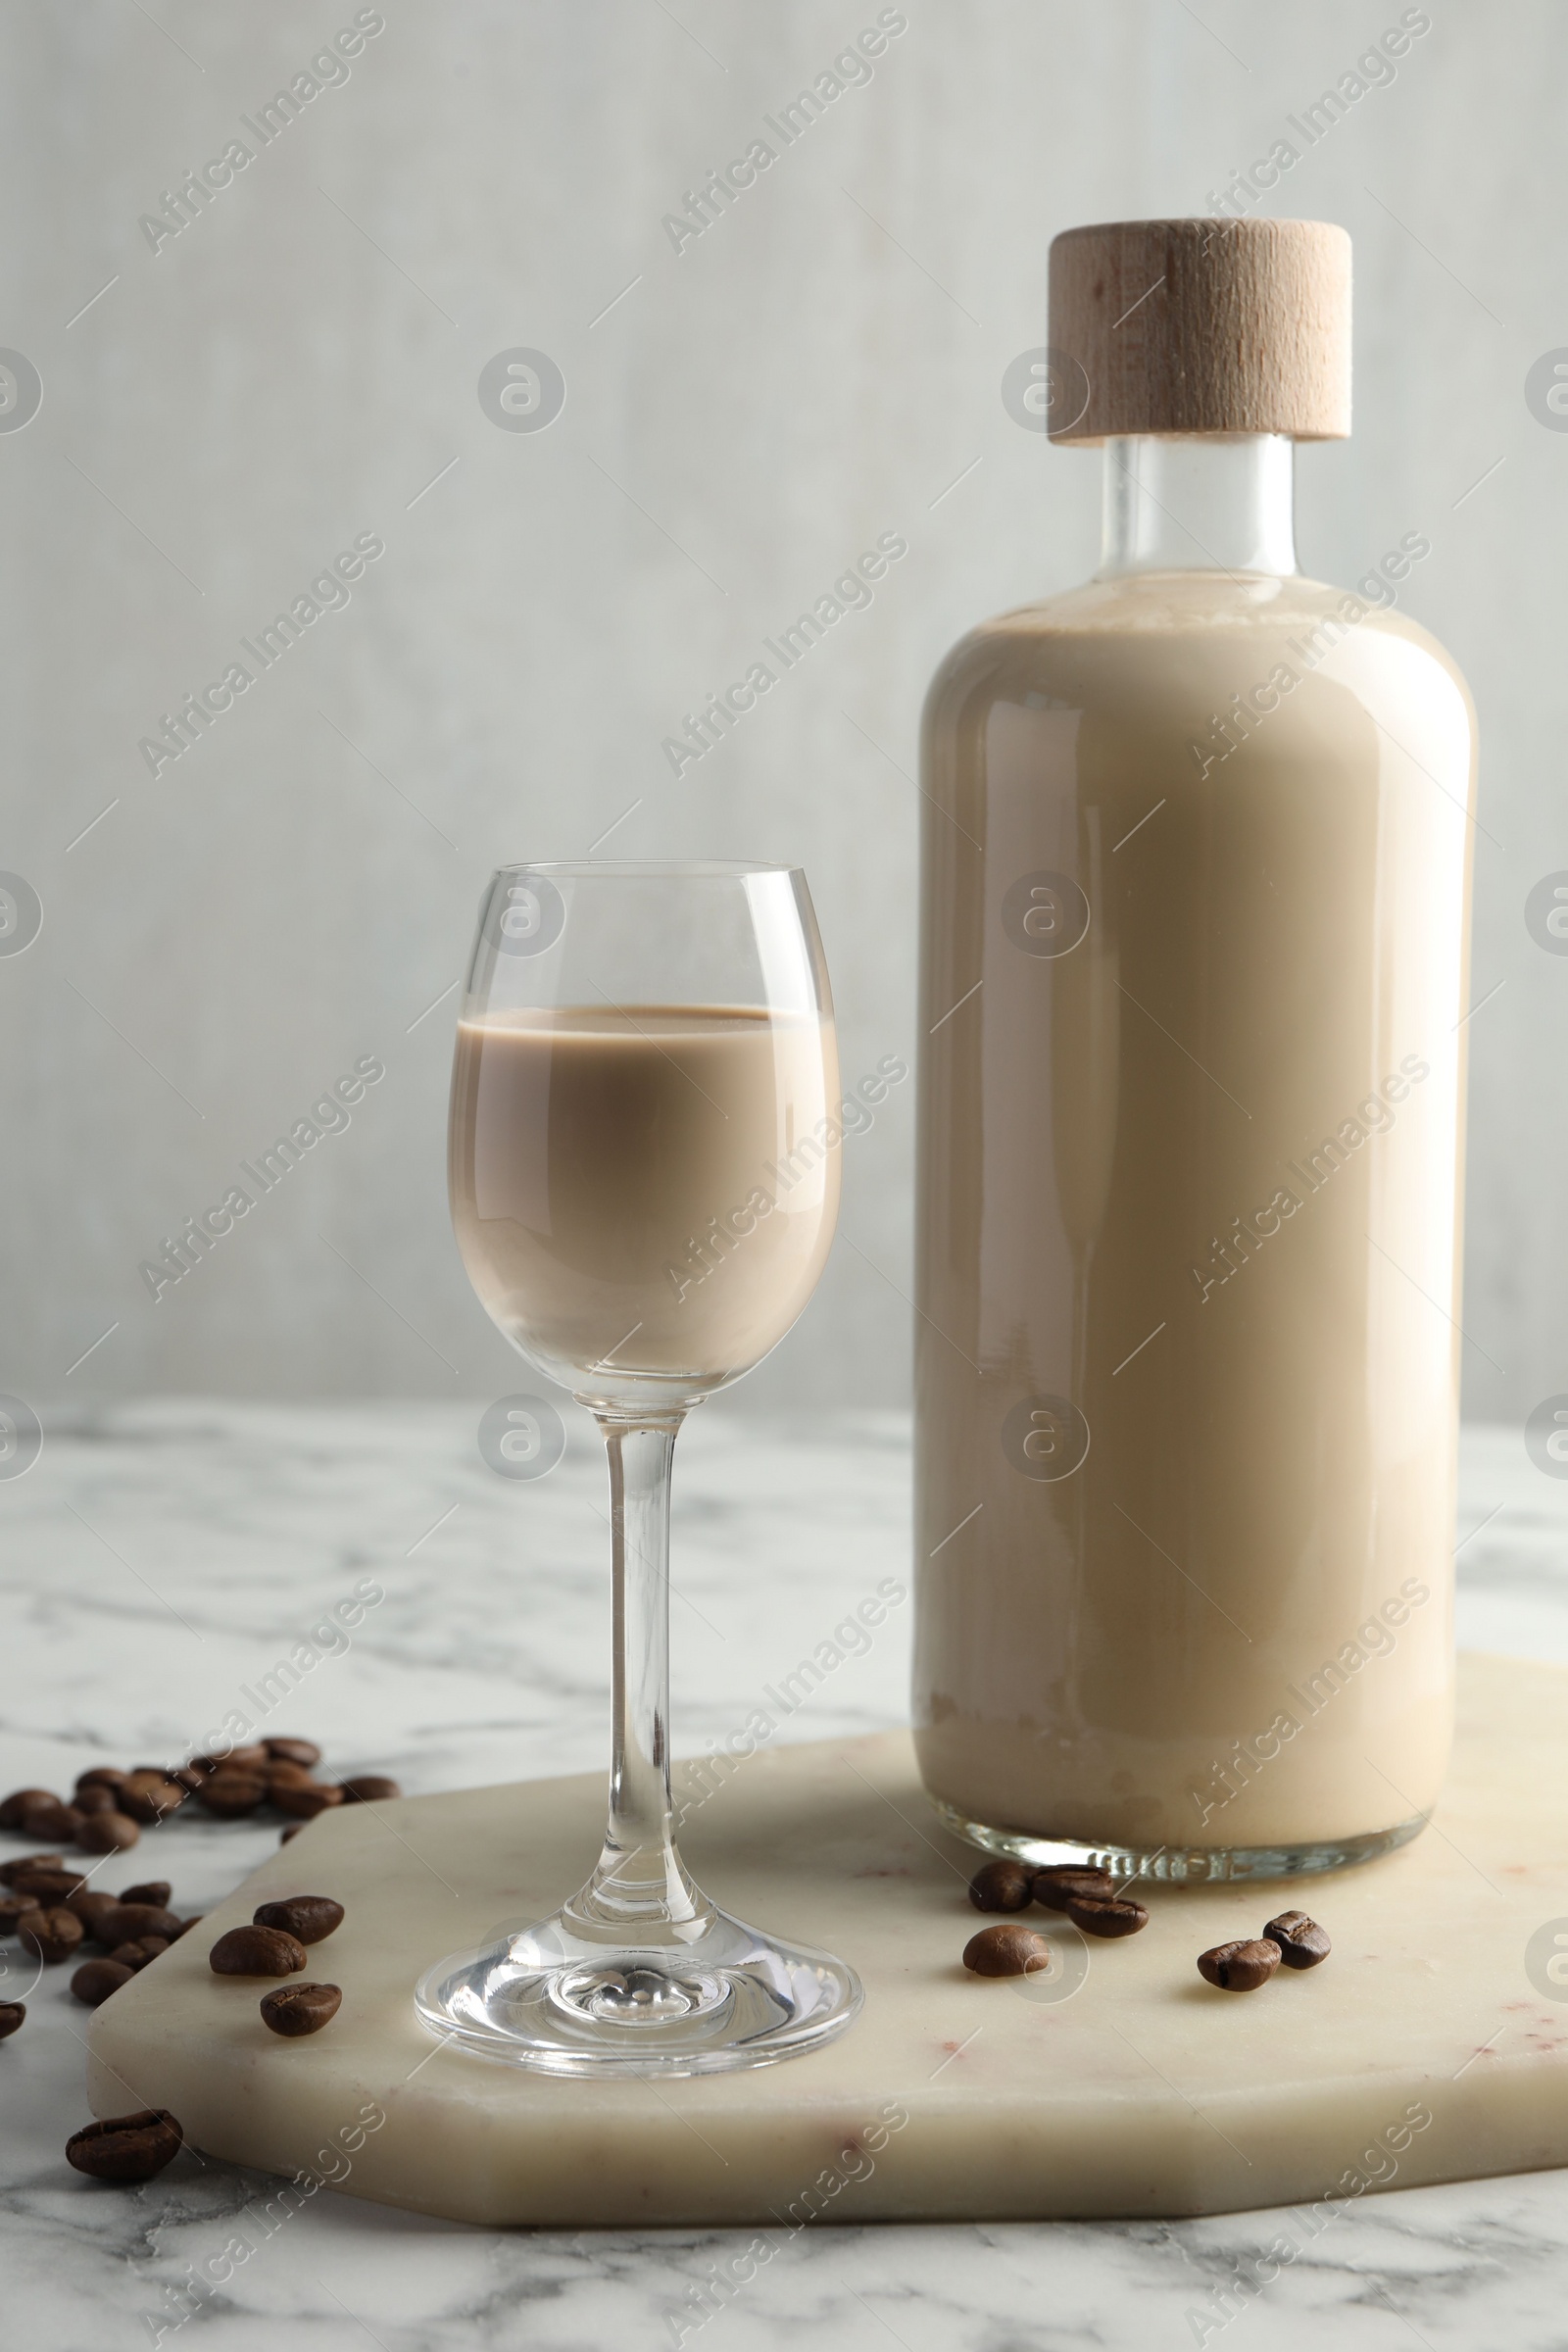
{"x": 1195, "y": 912}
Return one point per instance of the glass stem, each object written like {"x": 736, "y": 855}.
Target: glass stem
{"x": 640, "y": 1891}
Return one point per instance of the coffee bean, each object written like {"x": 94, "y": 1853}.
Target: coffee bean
{"x": 49, "y": 1886}
{"x": 90, "y": 1906}
{"x": 96, "y": 1979}
{"x": 94, "y": 1799}
{"x": 1053, "y": 1886}
{"x": 21, "y": 1802}
{"x": 13, "y": 1908}
{"x": 136, "y": 1955}
{"x": 127, "y": 1922}
{"x": 238, "y": 1759}
{"x": 186, "y": 1777}
{"x": 229, "y": 1794}
{"x": 51, "y": 1932}
{"x": 309, "y": 1918}
{"x": 156, "y": 1892}
{"x": 1007, "y": 1951}
{"x": 107, "y": 1834}
{"x": 99, "y": 1776}
{"x": 293, "y": 1751}
{"x": 1107, "y": 1914}
{"x": 148, "y": 1793}
{"x": 304, "y": 1803}
{"x": 368, "y": 1789}
{"x": 11, "y": 1871}
{"x": 52, "y": 1819}
{"x": 295, "y": 2009}
{"x": 125, "y": 2148}
{"x": 1001, "y": 1885}
{"x": 256, "y": 1952}
{"x": 284, "y": 1775}
{"x": 12, "y": 2013}
{"x": 1239, "y": 1966}
{"x": 1302, "y": 1942}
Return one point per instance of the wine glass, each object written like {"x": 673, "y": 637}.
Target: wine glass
{"x": 644, "y": 1168}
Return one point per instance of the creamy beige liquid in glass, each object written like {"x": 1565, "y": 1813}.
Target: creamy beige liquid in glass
{"x": 653, "y": 1189}
{"x": 1196, "y": 1175}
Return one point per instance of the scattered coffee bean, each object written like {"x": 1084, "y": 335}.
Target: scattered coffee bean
{"x": 12, "y": 2013}
{"x": 21, "y": 1802}
{"x": 238, "y": 1759}
{"x": 258, "y": 1952}
{"x": 148, "y": 1793}
{"x": 1240, "y": 1967}
{"x": 125, "y": 2149}
{"x": 1302, "y": 1942}
{"x": 26, "y": 1864}
{"x": 368, "y": 1789}
{"x": 91, "y": 1907}
{"x": 229, "y": 1794}
{"x": 1001, "y": 1885}
{"x": 295, "y": 2009}
{"x": 304, "y": 1802}
{"x": 293, "y": 1831}
{"x": 1007, "y": 1951}
{"x": 156, "y": 1892}
{"x": 49, "y": 1886}
{"x": 293, "y": 1751}
{"x": 51, "y": 1932}
{"x": 96, "y": 1979}
{"x": 94, "y": 1799}
{"x": 1053, "y": 1886}
{"x": 100, "y": 1776}
{"x": 106, "y": 1833}
{"x": 13, "y": 1908}
{"x": 186, "y": 1777}
{"x": 284, "y": 1775}
{"x": 127, "y": 1922}
{"x": 309, "y": 1918}
{"x": 1107, "y": 1914}
{"x": 137, "y": 1954}
{"x": 52, "y": 1819}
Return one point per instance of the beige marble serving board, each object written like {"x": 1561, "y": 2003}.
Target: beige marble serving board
{"x": 1421, "y": 2051}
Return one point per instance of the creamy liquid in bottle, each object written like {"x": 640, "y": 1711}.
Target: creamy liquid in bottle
{"x": 644, "y": 1188}
{"x": 1195, "y": 879}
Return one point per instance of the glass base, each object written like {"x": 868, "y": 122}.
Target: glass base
{"x": 551, "y": 1999}
{"x": 1190, "y": 1864}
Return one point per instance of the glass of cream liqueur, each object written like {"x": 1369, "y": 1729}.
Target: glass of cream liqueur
{"x": 644, "y": 1179}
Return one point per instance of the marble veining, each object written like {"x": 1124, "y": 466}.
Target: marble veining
{"x": 161, "y": 1560}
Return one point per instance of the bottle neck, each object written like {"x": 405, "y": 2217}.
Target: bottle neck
{"x": 1208, "y": 501}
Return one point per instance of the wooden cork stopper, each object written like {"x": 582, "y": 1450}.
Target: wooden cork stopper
{"x": 1201, "y": 326}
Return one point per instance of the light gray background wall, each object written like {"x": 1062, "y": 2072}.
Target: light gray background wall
{"x": 300, "y": 363}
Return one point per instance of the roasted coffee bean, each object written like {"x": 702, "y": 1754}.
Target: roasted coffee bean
{"x": 49, "y": 1886}
{"x": 125, "y": 2149}
{"x": 306, "y": 1917}
{"x": 229, "y": 1794}
{"x": 96, "y": 1979}
{"x": 238, "y": 1759}
{"x": 1053, "y": 1886}
{"x": 1240, "y": 1967}
{"x": 21, "y": 1802}
{"x": 13, "y": 1908}
{"x": 1001, "y": 1885}
{"x": 51, "y": 1932}
{"x": 1107, "y": 1914}
{"x": 1302, "y": 1942}
{"x": 11, "y": 1871}
{"x": 1007, "y": 1951}
{"x": 293, "y": 1751}
{"x": 90, "y": 1906}
{"x": 156, "y": 1892}
{"x": 284, "y": 1775}
{"x": 52, "y": 1819}
{"x": 296, "y": 2009}
{"x": 293, "y": 1831}
{"x": 99, "y": 1776}
{"x": 148, "y": 1793}
{"x": 137, "y": 1954}
{"x": 107, "y": 1834}
{"x": 186, "y": 1777}
{"x": 94, "y": 1799}
{"x": 256, "y": 1952}
{"x": 305, "y": 1802}
{"x": 368, "y": 1789}
{"x": 12, "y": 2013}
{"x": 127, "y": 1922}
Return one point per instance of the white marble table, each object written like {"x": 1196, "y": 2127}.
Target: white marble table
{"x": 160, "y": 1561}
